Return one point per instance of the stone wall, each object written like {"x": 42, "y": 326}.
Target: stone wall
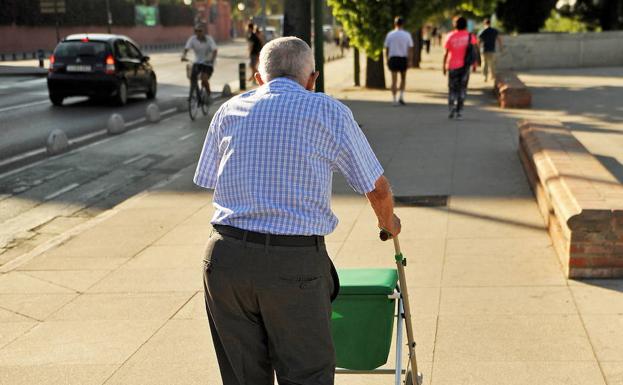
{"x": 561, "y": 50}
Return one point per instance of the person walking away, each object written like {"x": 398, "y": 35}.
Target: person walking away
{"x": 489, "y": 39}
{"x": 426, "y": 37}
{"x": 205, "y": 51}
{"x": 269, "y": 155}
{"x": 457, "y": 43}
{"x": 255, "y": 46}
{"x": 399, "y": 53}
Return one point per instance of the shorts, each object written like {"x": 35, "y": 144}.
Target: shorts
{"x": 201, "y": 68}
{"x": 397, "y": 63}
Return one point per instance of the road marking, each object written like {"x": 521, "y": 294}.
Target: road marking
{"x": 22, "y": 84}
{"x": 134, "y": 159}
{"x": 17, "y": 107}
{"x": 54, "y": 175}
{"x": 18, "y": 158}
{"x": 61, "y": 191}
{"x": 136, "y": 121}
{"x": 169, "y": 111}
{"x": 86, "y": 137}
{"x": 186, "y": 136}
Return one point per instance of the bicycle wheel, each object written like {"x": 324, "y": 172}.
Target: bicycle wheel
{"x": 205, "y": 101}
{"x": 193, "y": 102}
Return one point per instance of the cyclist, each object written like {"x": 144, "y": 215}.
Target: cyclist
{"x": 205, "y": 51}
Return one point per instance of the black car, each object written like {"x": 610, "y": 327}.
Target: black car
{"x": 99, "y": 66}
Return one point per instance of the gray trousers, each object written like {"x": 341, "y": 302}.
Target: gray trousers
{"x": 269, "y": 309}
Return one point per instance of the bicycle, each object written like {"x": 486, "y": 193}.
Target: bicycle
{"x": 199, "y": 95}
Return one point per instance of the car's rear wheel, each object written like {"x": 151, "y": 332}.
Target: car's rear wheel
{"x": 152, "y": 88}
{"x": 56, "y": 99}
{"x": 121, "y": 98}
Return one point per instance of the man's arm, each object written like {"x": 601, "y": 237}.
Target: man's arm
{"x": 382, "y": 203}
{"x": 499, "y": 41}
{"x": 443, "y": 64}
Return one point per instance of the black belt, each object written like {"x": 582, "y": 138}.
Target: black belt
{"x": 270, "y": 239}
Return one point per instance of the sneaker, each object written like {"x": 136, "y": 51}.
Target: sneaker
{"x": 402, "y": 102}
{"x": 451, "y": 115}
{"x": 459, "y": 116}
{"x": 395, "y": 103}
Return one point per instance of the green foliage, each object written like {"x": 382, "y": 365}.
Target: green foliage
{"x": 366, "y": 22}
{"x": 597, "y": 14}
{"x": 558, "y": 23}
{"x": 524, "y": 15}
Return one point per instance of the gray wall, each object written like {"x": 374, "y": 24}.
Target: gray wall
{"x": 561, "y": 50}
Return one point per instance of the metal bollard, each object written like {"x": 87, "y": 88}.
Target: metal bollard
{"x": 242, "y": 75}
{"x": 40, "y": 56}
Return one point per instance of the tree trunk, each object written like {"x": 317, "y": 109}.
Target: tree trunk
{"x": 417, "y": 48}
{"x": 357, "y": 68}
{"x": 375, "y": 73}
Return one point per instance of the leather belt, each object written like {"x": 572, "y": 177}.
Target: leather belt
{"x": 270, "y": 239}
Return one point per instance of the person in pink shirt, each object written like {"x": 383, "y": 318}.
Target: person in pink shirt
{"x": 454, "y": 65}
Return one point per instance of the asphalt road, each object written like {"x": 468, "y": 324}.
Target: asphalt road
{"x": 27, "y": 116}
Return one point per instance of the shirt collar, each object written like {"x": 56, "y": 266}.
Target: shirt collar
{"x": 284, "y": 84}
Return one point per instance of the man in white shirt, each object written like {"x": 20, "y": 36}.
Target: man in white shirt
{"x": 399, "y": 51}
{"x": 205, "y": 50}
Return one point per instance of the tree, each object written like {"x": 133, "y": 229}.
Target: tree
{"x": 366, "y": 22}
{"x": 524, "y": 15}
{"x": 606, "y": 14}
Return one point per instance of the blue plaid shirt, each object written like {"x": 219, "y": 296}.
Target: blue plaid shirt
{"x": 270, "y": 153}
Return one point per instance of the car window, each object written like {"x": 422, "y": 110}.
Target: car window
{"x": 121, "y": 49}
{"x": 133, "y": 51}
{"x": 79, "y": 48}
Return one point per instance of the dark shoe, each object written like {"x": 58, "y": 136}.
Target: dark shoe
{"x": 459, "y": 116}
{"x": 402, "y": 102}
{"x": 451, "y": 115}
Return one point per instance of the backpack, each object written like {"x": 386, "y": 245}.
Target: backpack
{"x": 471, "y": 53}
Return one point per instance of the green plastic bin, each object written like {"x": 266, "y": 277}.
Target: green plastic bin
{"x": 363, "y": 317}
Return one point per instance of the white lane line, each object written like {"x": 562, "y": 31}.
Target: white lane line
{"x": 20, "y": 157}
{"x": 186, "y": 136}
{"x": 136, "y": 121}
{"x": 169, "y": 111}
{"x": 54, "y": 175}
{"x": 134, "y": 159}
{"x": 61, "y": 191}
{"x": 87, "y": 137}
{"x": 24, "y": 105}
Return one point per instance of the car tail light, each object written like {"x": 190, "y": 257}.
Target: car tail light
{"x": 52, "y": 60}
{"x": 110, "y": 65}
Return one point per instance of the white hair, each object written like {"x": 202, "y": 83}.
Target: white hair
{"x": 288, "y": 57}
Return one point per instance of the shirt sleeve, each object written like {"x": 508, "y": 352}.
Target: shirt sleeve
{"x": 206, "y": 174}
{"x": 446, "y": 44}
{"x": 356, "y": 160}
{"x": 212, "y": 43}
{"x": 386, "y": 43}
{"x": 189, "y": 43}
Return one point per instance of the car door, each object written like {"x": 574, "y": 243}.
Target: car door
{"x": 142, "y": 70}
{"x": 127, "y": 65}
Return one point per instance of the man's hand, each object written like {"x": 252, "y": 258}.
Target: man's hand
{"x": 393, "y": 228}
{"x": 445, "y": 71}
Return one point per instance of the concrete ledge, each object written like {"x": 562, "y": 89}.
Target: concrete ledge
{"x": 581, "y": 202}
{"x": 511, "y": 91}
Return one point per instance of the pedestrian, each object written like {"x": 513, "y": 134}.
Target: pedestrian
{"x": 490, "y": 40}
{"x": 456, "y": 66}
{"x": 399, "y": 53}
{"x": 426, "y": 37}
{"x": 255, "y": 45}
{"x": 269, "y": 155}
{"x": 434, "y": 34}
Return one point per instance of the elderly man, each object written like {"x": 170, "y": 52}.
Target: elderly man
{"x": 269, "y": 155}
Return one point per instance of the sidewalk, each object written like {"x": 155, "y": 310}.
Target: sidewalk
{"x": 121, "y": 302}
{"x": 22, "y": 68}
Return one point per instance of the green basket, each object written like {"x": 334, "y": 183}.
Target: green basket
{"x": 363, "y": 317}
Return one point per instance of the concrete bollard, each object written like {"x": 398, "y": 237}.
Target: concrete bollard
{"x": 226, "y": 91}
{"x": 115, "y": 124}
{"x": 152, "y": 113}
{"x": 57, "y": 142}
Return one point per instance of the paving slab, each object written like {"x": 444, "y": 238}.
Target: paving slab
{"x": 35, "y": 306}
{"x": 55, "y": 374}
{"x": 606, "y": 334}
